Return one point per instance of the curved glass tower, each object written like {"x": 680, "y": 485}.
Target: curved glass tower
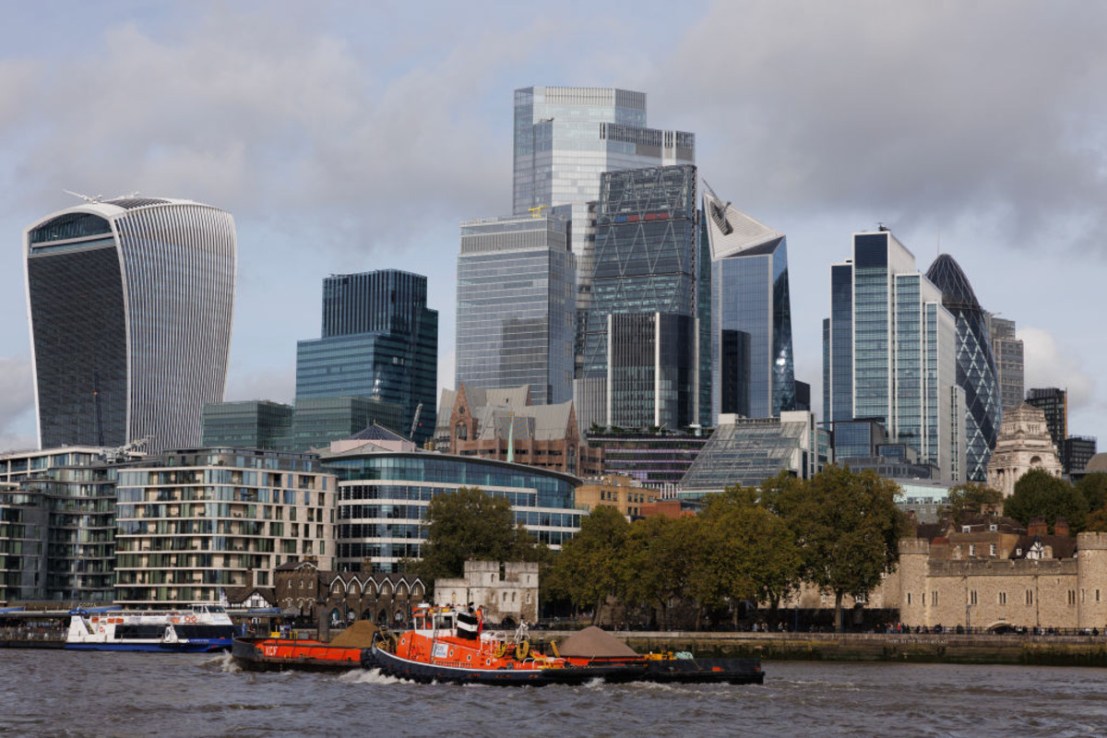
{"x": 130, "y": 304}
{"x": 976, "y": 368}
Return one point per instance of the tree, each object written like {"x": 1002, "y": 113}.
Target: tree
{"x": 587, "y": 570}
{"x": 1039, "y": 494}
{"x": 469, "y": 524}
{"x": 1094, "y": 488}
{"x": 747, "y": 552}
{"x": 848, "y": 529}
{"x": 657, "y": 563}
{"x": 972, "y": 498}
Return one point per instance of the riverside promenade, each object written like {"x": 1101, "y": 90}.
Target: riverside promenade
{"x": 982, "y": 648}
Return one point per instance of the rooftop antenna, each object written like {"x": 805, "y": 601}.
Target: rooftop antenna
{"x": 86, "y": 198}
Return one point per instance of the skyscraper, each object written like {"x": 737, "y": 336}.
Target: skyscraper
{"x": 130, "y": 304}
{"x": 1007, "y": 351}
{"x": 976, "y": 369}
{"x": 749, "y": 297}
{"x": 565, "y": 138}
{"x": 644, "y": 351}
{"x": 516, "y": 314}
{"x": 891, "y": 353}
{"x": 380, "y": 340}
{"x": 1054, "y": 403}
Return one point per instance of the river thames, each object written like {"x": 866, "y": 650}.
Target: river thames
{"x": 58, "y": 693}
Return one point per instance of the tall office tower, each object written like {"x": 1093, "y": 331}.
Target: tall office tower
{"x": 749, "y": 295}
{"x": 130, "y": 304}
{"x": 645, "y": 355}
{"x": 380, "y": 340}
{"x": 1054, "y": 403}
{"x": 1007, "y": 351}
{"x": 976, "y": 369}
{"x": 892, "y": 353}
{"x": 516, "y": 315}
{"x": 565, "y": 138}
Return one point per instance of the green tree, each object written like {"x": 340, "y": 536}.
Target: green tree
{"x": 587, "y": 569}
{"x": 1039, "y": 494}
{"x": 469, "y": 524}
{"x": 972, "y": 498}
{"x": 848, "y": 528}
{"x": 657, "y": 563}
{"x": 747, "y": 552}
{"x": 1094, "y": 488}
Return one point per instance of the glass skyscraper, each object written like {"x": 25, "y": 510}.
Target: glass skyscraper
{"x": 650, "y": 264}
{"x": 130, "y": 313}
{"x": 516, "y": 313}
{"x": 565, "y": 138}
{"x": 1007, "y": 351}
{"x": 891, "y": 351}
{"x": 976, "y": 369}
{"x": 751, "y": 317}
{"x": 380, "y": 340}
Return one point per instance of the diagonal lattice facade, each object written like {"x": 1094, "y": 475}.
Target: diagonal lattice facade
{"x": 976, "y": 369}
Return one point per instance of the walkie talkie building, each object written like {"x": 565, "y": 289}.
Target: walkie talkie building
{"x": 130, "y": 304}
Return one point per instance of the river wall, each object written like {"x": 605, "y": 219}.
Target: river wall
{"x": 1054, "y": 650}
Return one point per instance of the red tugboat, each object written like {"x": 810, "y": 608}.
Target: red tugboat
{"x": 278, "y": 654}
{"x": 448, "y": 645}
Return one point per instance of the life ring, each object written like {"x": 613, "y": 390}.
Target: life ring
{"x": 522, "y": 650}
{"x": 500, "y": 651}
{"x": 100, "y": 628}
{"x": 190, "y": 619}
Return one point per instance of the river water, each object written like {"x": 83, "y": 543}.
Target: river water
{"x": 58, "y": 693}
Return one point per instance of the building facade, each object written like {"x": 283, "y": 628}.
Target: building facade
{"x": 753, "y": 372}
{"x": 1054, "y": 403}
{"x": 502, "y": 424}
{"x": 1007, "y": 351}
{"x": 647, "y": 329}
{"x": 890, "y": 353}
{"x": 380, "y": 341}
{"x": 976, "y": 368}
{"x": 625, "y": 494}
{"x": 130, "y": 304}
{"x": 248, "y": 424}
{"x": 747, "y": 451}
{"x": 655, "y": 460}
{"x": 192, "y": 523}
{"x": 1023, "y": 444}
{"x": 507, "y": 592}
{"x": 516, "y": 306}
{"x": 383, "y": 498}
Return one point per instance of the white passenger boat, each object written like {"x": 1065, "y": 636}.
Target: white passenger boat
{"x": 199, "y": 627}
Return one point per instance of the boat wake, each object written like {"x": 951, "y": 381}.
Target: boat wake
{"x": 369, "y": 676}
{"x": 223, "y": 662}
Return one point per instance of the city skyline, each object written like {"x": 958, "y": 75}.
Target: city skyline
{"x": 362, "y": 173}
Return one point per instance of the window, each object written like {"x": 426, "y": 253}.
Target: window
{"x": 1029, "y": 597}
{"x": 972, "y": 597}
{"x": 908, "y": 598}
{"x": 972, "y": 549}
{"x": 1072, "y": 597}
{"x": 934, "y": 599}
{"x": 992, "y": 550}
{"x": 1003, "y": 598}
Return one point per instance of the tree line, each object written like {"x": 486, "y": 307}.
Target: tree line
{"x": 838, "y": 531}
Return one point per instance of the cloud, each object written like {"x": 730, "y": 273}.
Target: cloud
{"x": 274, "y": 118}
{"x": 1046, "y": 364}
{"x": 276, "y": 386}
{"x": 17, "y": 404}
{"x": 910, "y": 113}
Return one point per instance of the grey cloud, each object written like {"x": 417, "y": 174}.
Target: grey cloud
{"x": 916, "y": 112}
{"x": 272, "y": 120}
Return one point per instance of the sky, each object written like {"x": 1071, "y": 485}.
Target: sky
{"x": 352, "y": 136}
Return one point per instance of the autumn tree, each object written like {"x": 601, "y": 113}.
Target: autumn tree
{"x": 587, "y": 569}
{"x": 848, "y": 528}
{"x": 972, "y": 498}
{"x": 470, "y": 524}
{"x": 1039, "y": 494}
